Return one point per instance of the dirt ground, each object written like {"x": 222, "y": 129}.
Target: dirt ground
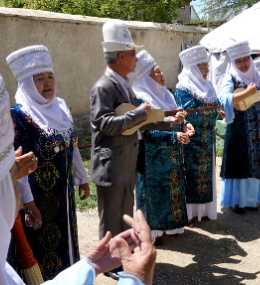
{"x": 222, "y": 252}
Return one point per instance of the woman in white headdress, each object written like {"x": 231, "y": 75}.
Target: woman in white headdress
{"x": 101, "y": 259}
{"x": 194, "y": 91}
{"x": 240, "y": 167}
{"x": 43, "y": 124}
{"x": 160, "y": 188}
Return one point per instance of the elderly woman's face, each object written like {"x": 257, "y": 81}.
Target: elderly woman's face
{"x": 243, "y": 63}
{"x": 204, "y": 69}
{"x": 157, "y": 75}
{"x": 45, "y": 84}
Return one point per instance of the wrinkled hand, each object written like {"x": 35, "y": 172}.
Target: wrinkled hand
{"x": 84, "y": 191}
{"x": 240, "y": 95}
{"x": 139, "y": 262}
{"x": 24, "y": 165}
{"x": 33, "y": 217}
{"x": 146, "y": 106}
{"x": 102, "y": 257}
{"x": 251, "y": 89}
{"x": 180, "y": 116}
{"x": 183, "y": 138}
{"x": 189, "y": 129}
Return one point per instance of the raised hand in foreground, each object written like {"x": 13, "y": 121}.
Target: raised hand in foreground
{"x": 132, "y": 248}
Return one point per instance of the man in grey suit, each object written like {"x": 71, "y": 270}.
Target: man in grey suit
{"x": 114, "y": 155}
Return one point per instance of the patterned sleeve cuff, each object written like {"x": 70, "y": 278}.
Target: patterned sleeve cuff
{"x": 25, "y": 190}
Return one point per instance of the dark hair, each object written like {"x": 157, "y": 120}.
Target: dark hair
{"x": 111, "y": 57}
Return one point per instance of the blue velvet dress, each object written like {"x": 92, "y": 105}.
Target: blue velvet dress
{"x": 55, "y": 244}
{"x": 160, "y": 187}
{"x": 240, "y": 169}
{"x": 199, "y": 155}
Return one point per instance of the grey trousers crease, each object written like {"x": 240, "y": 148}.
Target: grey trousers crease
{"x": 113, "y": 203}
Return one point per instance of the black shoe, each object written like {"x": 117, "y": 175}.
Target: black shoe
{"x": 238, "y": 210}
{"x": 205, "y": 219}
{"x": 158, "y": 241}
{"x": 253, "y": 209}
{"x": 114, "y": 273}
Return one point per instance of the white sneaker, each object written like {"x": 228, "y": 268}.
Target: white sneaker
{"x": 155, "y": 234}
{"x": 175, "y": 231}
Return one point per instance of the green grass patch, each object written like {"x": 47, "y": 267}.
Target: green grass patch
{"x": 220, "y": 133}
{"x": 91, "y": 202}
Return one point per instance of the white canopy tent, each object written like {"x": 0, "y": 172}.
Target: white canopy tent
{"x": 244, "y": 26}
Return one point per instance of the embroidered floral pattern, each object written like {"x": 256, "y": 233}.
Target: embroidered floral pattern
{"x": 198, "y": 154}
{"x": 51, "y": 184}
{"x": 161, "y": 187}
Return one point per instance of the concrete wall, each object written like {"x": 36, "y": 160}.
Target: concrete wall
{"x": 74, "y": 43}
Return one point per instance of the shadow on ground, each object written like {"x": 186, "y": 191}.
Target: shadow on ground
{"x": 244, "y": 228}
{"x": 208, "y": 253}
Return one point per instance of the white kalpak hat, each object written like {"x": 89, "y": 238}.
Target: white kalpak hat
{"x": 117, "y": 37}
{"x": 193, "y": 56}
{"x": 29, "y": 61}
{"x": 238, "y": 50}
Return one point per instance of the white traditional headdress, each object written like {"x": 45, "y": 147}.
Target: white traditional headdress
{"x": 7, "y": 196}
{"x": 7, "y": 156}
{"x": 29, "y": 61}
{"x": 191, "y": 78}
{"x": 238, "y": 50}
{"x": 193, "y": 56}
{"x": 47, "y": 114}
{"x": 257, "y": 63}
{"x": 117, "y": 37}
{"x": 144, "y": 63}
{"x": 146, "y": 88}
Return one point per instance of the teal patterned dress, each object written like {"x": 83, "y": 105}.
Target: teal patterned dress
{"x": 160, "y": 188}
{"x": 198, "y": 154}
{"x": 55, "y": 244}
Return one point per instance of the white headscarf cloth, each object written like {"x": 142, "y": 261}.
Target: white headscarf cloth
{"x": 7, "y": 196}
{"x": 7, "y": 156}
{"x": 251, "y": 76}
{"x": 147, "y": 89}
{"x": 52, "y": 114}
{"x": 191, "y": 78}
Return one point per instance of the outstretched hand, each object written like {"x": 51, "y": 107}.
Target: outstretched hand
{"x": 140, "y": 260}
{"x": 132, "y": 248}
{"x": 189, "y": 129}
{"x": 24, "y": 165}
{"x": 103, "y": 257}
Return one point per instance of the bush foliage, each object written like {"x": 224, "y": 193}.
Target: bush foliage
{"x": 144, "y": 10}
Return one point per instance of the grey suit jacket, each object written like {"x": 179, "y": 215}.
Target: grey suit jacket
{"x": 113, "y": 155}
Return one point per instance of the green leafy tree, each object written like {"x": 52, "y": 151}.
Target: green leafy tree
{"x": 143, "y": 10}
{"x": 219, "y": 8}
